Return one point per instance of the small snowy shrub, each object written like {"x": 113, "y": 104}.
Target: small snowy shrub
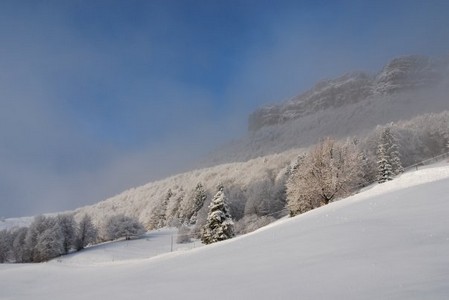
{"x": 121, "y": 226}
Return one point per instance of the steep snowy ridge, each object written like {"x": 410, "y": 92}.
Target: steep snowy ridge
{"x": 349, "y": 88}
{"x": 410, "y": 73}
{"x": 350, "y": 105}
{"x": 390, "y": 242}
{"x": 402, "y": 74}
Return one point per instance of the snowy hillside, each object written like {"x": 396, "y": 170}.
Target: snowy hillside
{"x": 389, "y": 242}
{"x": 153, "y": 243}
{"x": 142, "y": 201}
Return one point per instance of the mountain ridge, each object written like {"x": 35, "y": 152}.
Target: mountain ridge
{"x": 402, "y": 74}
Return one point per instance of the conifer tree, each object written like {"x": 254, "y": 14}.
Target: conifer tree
{"x": 158, "y": 217}
{"x": 392, "y": 151}
{"x": 219, "y": 225}
{"x": 383, "y": 165}
{"x": 198, "y": 202}
{"x": 388, "y": 158}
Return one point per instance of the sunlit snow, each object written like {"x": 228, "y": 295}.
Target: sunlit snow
{"x": 389, "y": 242}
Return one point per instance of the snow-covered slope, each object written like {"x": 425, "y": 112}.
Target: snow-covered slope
{"x": 389, "y": 242}
{"x": 153, "y": 243}
{"x": 142, "y": 201}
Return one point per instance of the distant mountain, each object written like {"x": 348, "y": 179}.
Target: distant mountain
{"x": 351, "y": 104}
{"x": 404, "y": 74}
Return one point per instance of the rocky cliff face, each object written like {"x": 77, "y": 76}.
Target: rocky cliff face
{"x": 400, "y": 75}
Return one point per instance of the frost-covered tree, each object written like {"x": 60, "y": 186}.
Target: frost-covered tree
{"x": 392, "y": 151}
{"x": 388, "y": 158}
{"x": 50, "y": 243}
{"x": 18, "y": 244}
{"x": 199, "y": 197}
{"x": 330, "y": 170}
{"x": 158, "y": 218}
{"x": 120, "y": 226}
{"x": 267, "y": 196}
{"x": 173, "y": 211}
{"x": 219, "y": 225}
{"x": 5, "y": 245}
{"x": 86, "y": 233}
{"x": 37, "y": 228}
{"x": 384, "y": 168}
{"x": 67, "y": 225}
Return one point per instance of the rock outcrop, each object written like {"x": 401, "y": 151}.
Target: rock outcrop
{"x": 401, "y": 74}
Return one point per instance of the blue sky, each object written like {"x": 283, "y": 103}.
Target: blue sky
{"x": 100, "y": 96}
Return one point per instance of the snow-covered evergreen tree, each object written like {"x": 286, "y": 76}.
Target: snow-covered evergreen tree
{"x": 158, "y": 217}
{"x": 392, "y": 151}
{"x": 388, "y": 158}
{"x": 385, "y": 172}
{"x": 198, "y": 201}
{"x": 86, "y": 233}
{"x": 219, "y": 225}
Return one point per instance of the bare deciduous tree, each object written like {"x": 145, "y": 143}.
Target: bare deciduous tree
{"x": 86, "y": 233}
{"x": 330, "y": 170}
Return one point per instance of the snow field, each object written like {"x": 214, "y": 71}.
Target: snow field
{"x": 389, "y": 242}
{"x": 152, "y": 244}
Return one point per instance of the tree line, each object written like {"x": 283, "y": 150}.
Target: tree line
{"x": 329, "y": 171}
{"x": 48, "y": 237}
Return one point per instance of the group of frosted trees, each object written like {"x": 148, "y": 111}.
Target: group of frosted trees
{"x": 329, "y": 171}
{"x": 334, "y": 169}
{"x": 47, "y": 237}
{"x": 252, "y": 205}
{"x": 218, "y": 225}
{"x": 51, "y": 236}
{"x": 178, "y": 208}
